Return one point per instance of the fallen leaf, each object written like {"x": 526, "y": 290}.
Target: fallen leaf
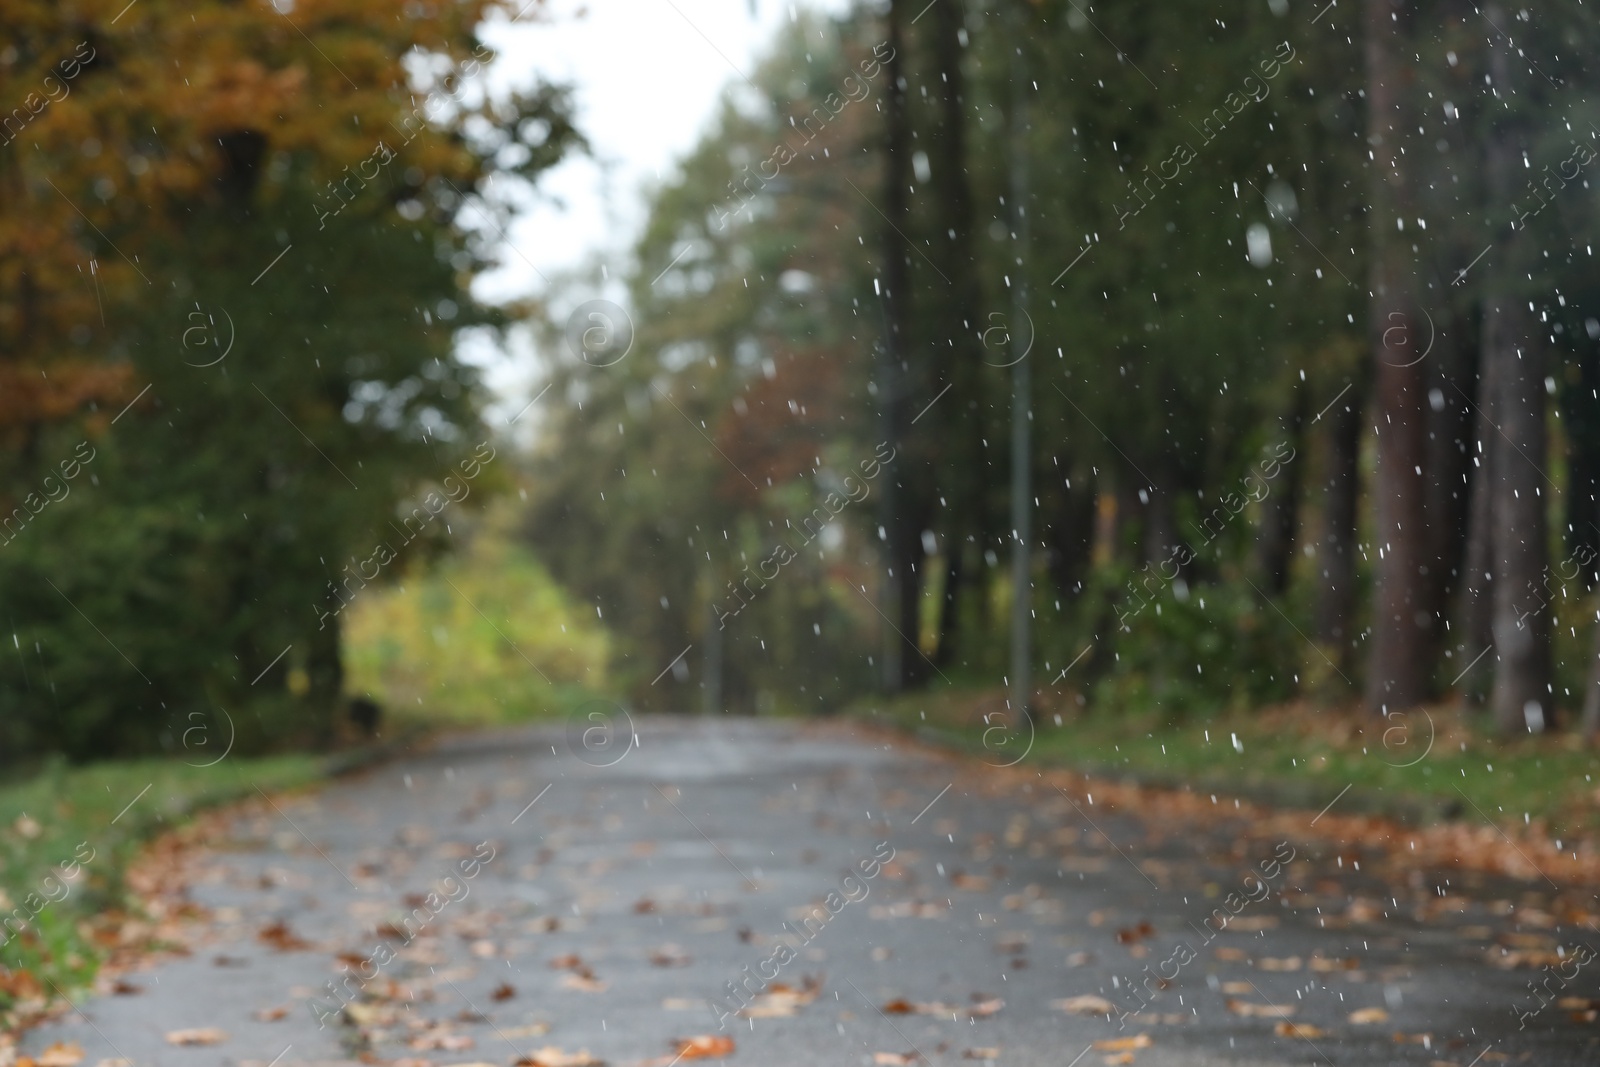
{"x": 1249, "y": 1010}
{"x": 60, "y": 1054}
{"x": 569, "y": 962}
{"x": 1134, "y": 934}
{"x": 126, "y": 989}
{"x": 1305, "y": 1030}
{"x": 503, "y": 991}
{"x": 1088, "y": 1004}
{"x": 987, "y": 1052}
{"x": 899, "y": 1006}
{"x": 1226, "y": 953}
{"x": 582, "y": 984}
{"x": 1530, "y": 958}
{"x": 208, "y": 1035}
{"x": 669, "y": 955}
{"x": 1324, "y": 965}
{"x": 1413, "y": 1039}
{"x": 780, "y": 1001}
{"x": 371, "y": 1014}
{"x": 281, "y": 938}
{"x": 1290, "y": 963}
{"x": 19, "y": 984}
{"x": 1362, "y": 910}
{"x": 892, "y": 1058}
{"x": 1123, "y": 1044}
{"x": 1238, "y": 988}
{"x": 550, "y": 1056}
{"x": 985, "y": 1006}
{"x": 271, "y": 1015}
{"x": 1365, "y": 1016}
{"x": 1012, "y": 943}
{"x": 703, "y": 1046}
{"x": 1121, "y": 1057}
{"x": 441, "y": 1042}
{"x": 682, "y": 1004}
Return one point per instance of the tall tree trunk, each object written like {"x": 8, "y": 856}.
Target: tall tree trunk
{"x": 1513, "y": 349}
{"x": 325, "y": 670}
{"x": 1591, "y": 693}
{"x": 911, "y": 555}
{"x": 1130, "y": 529}
{"x": 903, "y": 545}
{"x": 1069, "y": 528}
{"x": 1160, "y": 522}
{"x": 1400, "y": 659}
{"x": 1520, "y": 699}
{"x": 1451, "y": 368}
{"x": 1581, "y": 414}
{"x": 1021, "y": 381}
{"x": 1336, "y": 543}
{"x": 1279, "y": 511}
{"x": 955, "y": 552}
{"x": 958, "y": 415}
{"x": 1475, "y": 607}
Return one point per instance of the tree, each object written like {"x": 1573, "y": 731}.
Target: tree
{"x": 285, "y": 402}
{"x": 1513, "y": 356}
{"x": 1403, "y": 619}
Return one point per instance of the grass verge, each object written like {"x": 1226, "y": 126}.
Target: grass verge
{"x": 66, "y": 836}
{"x": 1433, "y": 764}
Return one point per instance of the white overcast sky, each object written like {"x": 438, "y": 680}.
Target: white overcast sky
{"x": 647, "y": 77}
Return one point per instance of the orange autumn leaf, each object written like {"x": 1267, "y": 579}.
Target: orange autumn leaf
{"x": 61, "y": 1054}
{"x": 703, "y": 1046}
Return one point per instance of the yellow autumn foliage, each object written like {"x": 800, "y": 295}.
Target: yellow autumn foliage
{"x": 481, "y": 637}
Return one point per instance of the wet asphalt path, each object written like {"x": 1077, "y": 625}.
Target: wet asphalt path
{"x": 609, "y": 905}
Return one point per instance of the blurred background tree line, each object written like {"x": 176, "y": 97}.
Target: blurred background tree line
{"x": 1310, "y": 325}
{"x": 1290, "y": 435}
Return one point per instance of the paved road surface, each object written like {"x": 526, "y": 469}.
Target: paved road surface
{"x": 621, "y": 900}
